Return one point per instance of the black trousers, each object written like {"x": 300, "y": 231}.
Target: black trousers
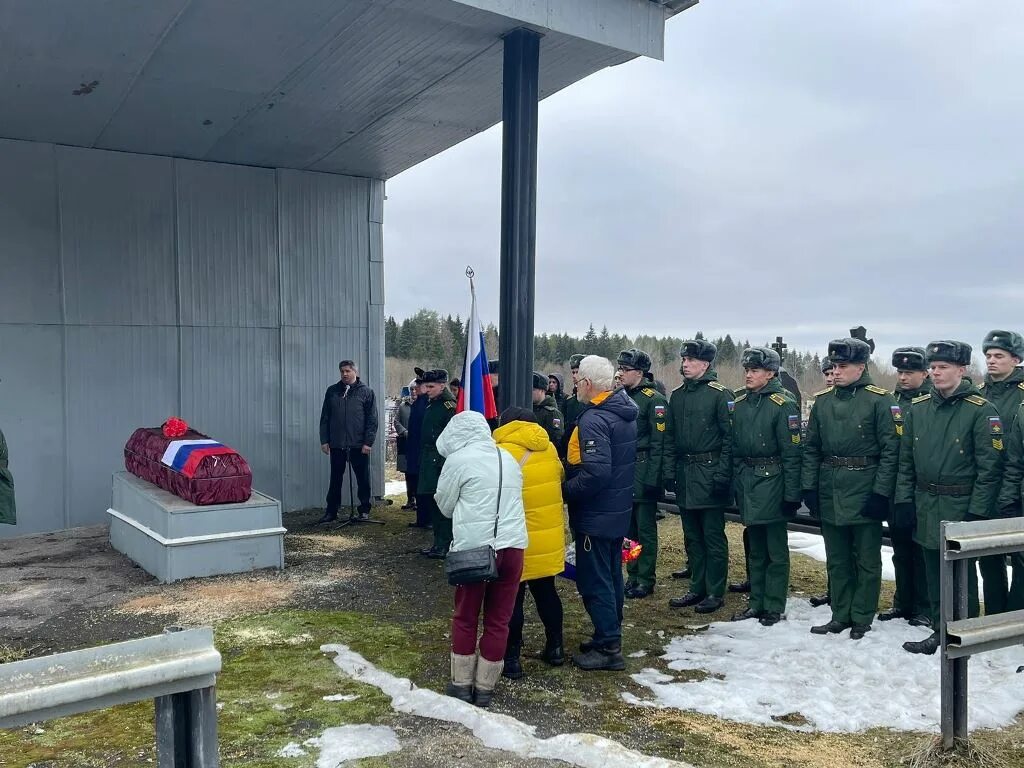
{"x": 411, "y": 481}
{"x": 549, "y": 606}
{"x": 360, "y": 468}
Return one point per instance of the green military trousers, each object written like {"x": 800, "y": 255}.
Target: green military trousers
{"x": 996, "y": 586}
{"x": 707, "y": 550}
{"x": 932, "y": 564}
{"x": 1015, "y": 601}
{"x": 644, "y": 528}
{"x": 442, "y": 529}
{"x": 768, "y": 567}
{"x": 854, "y": 564}
{"x": 911, "y": 598}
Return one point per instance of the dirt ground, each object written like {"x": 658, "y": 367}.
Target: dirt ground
{"x": 366, "y": 587}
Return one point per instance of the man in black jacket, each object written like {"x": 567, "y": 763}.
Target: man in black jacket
{"x": 348, "y": 428}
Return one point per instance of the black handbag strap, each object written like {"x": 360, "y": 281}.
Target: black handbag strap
{"x": 497, "y": 512}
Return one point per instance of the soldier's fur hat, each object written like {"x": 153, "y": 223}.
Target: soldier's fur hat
{"x": 910, "y": 359}
{"x": 945, "y": 351}
{"x": 1006, "y": 340}
{"x": 849, "y": 350}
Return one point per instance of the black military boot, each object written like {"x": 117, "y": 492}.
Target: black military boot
{"x": 750, "y": 613}
{"x": 831, "y": 628}
{"x": 857, "y": 631}
{"x": 690, "y": 598}
{"x": 928, "y": 646}
{"x": 770, "y": 619}
{"x": 553, "y": 653}
{"x": 640, "y": 591}
{"x": 513, "y": 669}
{"x": 683, "y": 574}
{"x": 709, "y": 604}
{"x": 893, "y": 613}
{"x": 819, "y": 600}
{"x": 609, "y": 658}
{"x": 740, "y": 587}
{"x": 329, "y": 517}
{"x": 919, "y": 621}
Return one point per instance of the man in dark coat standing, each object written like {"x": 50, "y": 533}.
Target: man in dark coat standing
{"x": 7, "y": 509}
{"x": 599, "y": 491}
{"x": 348, "y": 429}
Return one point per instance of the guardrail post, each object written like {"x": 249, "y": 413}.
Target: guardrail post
{"x": 186, "y": 728}
{"x": 953, "y": 679}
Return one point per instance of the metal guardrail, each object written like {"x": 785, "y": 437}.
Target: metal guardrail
{"x": 177, "y": 669}
{"x": 961, "y": 637}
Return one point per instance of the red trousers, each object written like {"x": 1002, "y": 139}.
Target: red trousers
{"x": 497, "y": 598}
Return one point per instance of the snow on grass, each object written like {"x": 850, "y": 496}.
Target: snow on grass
{"x": 342, "y": 697}
{"x": 394, "y": 488}
{"x": 348, "y": 742}
{"x": 813, "y": 545}
{"x": 494, "y": 730}
{"x": 787, "y": 677}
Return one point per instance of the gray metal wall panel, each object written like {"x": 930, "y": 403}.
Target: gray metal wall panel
{"x": 32, "y": 418}
{"x": 117, "y": 234}
{"x": 30, "y": 256}
{"x": 325, "y": 238}
{"x": 118, "y": 378}
{"x": 231, "y": 390}
{"x": 373, "y": 373}
{"x": 310, "y": 359}
{"x": 377, "y": 282}
{"x": 227, "y": 245}
{"x": 377, "y": 200}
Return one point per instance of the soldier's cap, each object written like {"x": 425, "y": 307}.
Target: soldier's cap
{"x": 492, "y": 366}
{"x": 540, "y": 381}
{"x": 909, "y": 359}
{"x": 634, "y": 358}
{"x": 1006, "y": 340}
{"x": 827, "y": 364}
{"x": 761, "y": 357}
{"x": 435, "y": 376}
{"x": 575, "y": 360}
{"x": 700, "y": 349}
{"x": 849, "y": 350}
{"x": 946, "y": 351}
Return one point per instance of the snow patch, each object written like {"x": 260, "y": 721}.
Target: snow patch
{"x": 348, "y": 742}
{"x": 813, "y": 545}
{"x": 637, "y": 654}
{"x": 342, "y": 697}
{"x": 495, "y": 730}
{"x": 760, "y": 674}
{"x": 394, "y": 488}
{"x": 291, "y": 749}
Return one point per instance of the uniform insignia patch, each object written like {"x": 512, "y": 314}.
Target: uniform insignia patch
{"x": 660, "y": 427}
{"x": 648, "y": 391}
{"x": 921, "y": 398}
{"x": 1021, "y": 385}
{"x": 795, "y": 438}
{"x": 590, "y": 446}
{"x": 899, "y": 430}
{"x": 659, "y": 411}
{"x": 876, "y": 390}
{"x": 995, "y": 425}
{"x": 449, "y": 405}
{"x": 777, "y": 398}
{"x": 731, "y": 405}
{"x": 557, "y": 423}
{"x": 794, "y": 423}
{"x": 897, "y": 414}
{"x": 997, "y": 443}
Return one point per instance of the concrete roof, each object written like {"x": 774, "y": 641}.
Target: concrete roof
{"x": 363, "y": 87}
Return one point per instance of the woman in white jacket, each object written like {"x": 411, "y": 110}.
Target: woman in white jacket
{"x": 468, "y": 492}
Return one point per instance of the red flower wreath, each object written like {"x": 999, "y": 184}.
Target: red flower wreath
{"x": 175, "y": 427}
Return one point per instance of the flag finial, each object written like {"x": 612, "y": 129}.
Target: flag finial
{"x": 470, "y": 273}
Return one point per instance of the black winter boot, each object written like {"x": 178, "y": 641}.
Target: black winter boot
{"x": 553, "y": 653}
{"x": 513, "y": 667}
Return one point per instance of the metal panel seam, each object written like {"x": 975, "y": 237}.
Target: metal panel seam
{"x": 66, "y": 471}
{"x": 176, "y": 223}
{"x": 281, "y": 338}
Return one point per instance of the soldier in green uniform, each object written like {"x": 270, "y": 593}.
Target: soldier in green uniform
{"x": 573, "y": 407}
{"x": 633, "y": 365}
{"x": 828, "y": 371}
{"x": 911, "y": 598}
{"x": 850, "y": 462}
{"x": 766, "y": 464}
{"x": 1012, "y": 488}
{"x": 546, "y": 410}
{"x": 1004, "y": 388}
{"x": 698, "y": 468}
{"x": 440, "y": 410}
{"x": 951, "y": 466}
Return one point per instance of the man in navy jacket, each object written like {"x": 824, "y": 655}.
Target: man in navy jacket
{"x": 599, "y": 491}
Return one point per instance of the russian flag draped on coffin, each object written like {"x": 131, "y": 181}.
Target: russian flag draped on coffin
{"x": 476, "y": 393}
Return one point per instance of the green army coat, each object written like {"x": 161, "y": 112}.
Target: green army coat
{"x": 856, "y": 422}
{"x": 550, "y": 418}
{"x": 950, "y": 441}
{"x": 651, "y": 431}
{"x": 904, "y": 397}
{"x": 1013, "y": 476}
{"x": 699, "y": 422}
{"x": 765, "y": 425}
{"x": 1005, "y": 395}
{"x": 8, "y": 513}
{"x": 439, "y": 412}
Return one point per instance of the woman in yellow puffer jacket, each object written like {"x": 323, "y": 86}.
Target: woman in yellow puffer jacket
{"x": 521, "y": 435}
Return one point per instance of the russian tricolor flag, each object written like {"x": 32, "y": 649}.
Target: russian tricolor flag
{"x": 476, "y": 393}
{"x": 184, "y": 455}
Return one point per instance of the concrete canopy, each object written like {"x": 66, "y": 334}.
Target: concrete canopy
{"x": 358, "y": 87}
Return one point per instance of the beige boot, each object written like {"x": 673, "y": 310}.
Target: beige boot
{"x": 487, "y": 675}
{"x": 463, "y": 670}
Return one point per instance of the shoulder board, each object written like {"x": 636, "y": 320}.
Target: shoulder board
{"x": 823, "y": 392}
{"x": 549, "y": 408}
{"x": 776, "y": 398}
{"x": 719, "y": 387}
{"x": 740, "y": 398}
{"x": 740, "y": 391}
{"x": 1021, "y": 385}
{"x": 982, "y": 385}
{"x": 876, "y": 390}
{"x": 976, "y": 400}
{"x": 921, "y": 398}
{"x": 450, "y": 405}
{"x": 648, "y": 391}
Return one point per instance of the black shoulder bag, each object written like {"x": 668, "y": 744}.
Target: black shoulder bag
{"x": 480, "y": 564}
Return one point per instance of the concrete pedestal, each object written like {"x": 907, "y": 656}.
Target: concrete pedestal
{"x": 173, "y": 539}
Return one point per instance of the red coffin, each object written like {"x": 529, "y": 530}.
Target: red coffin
{"x": 220, "y": 479}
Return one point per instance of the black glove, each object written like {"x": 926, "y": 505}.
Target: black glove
{"x": 652, "y": 492}
{"x": 790, "y": 508}
{"x": 721, "y": 489}
{"x": 1010, "y": 510}
{"x": 811, "y": 501}
{"x": 876, "y": 507}
{"x": 670, "y": 486}
{"x": 904, "y": 515}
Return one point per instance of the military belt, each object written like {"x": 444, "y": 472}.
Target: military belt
{"x": 762, "y": 461}
{"x": 850, "y": 461}
{"x": 936, "y": 489}
{"x": 696, "y": 458}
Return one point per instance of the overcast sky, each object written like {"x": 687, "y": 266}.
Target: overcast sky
{"x": 792, "y": 167}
